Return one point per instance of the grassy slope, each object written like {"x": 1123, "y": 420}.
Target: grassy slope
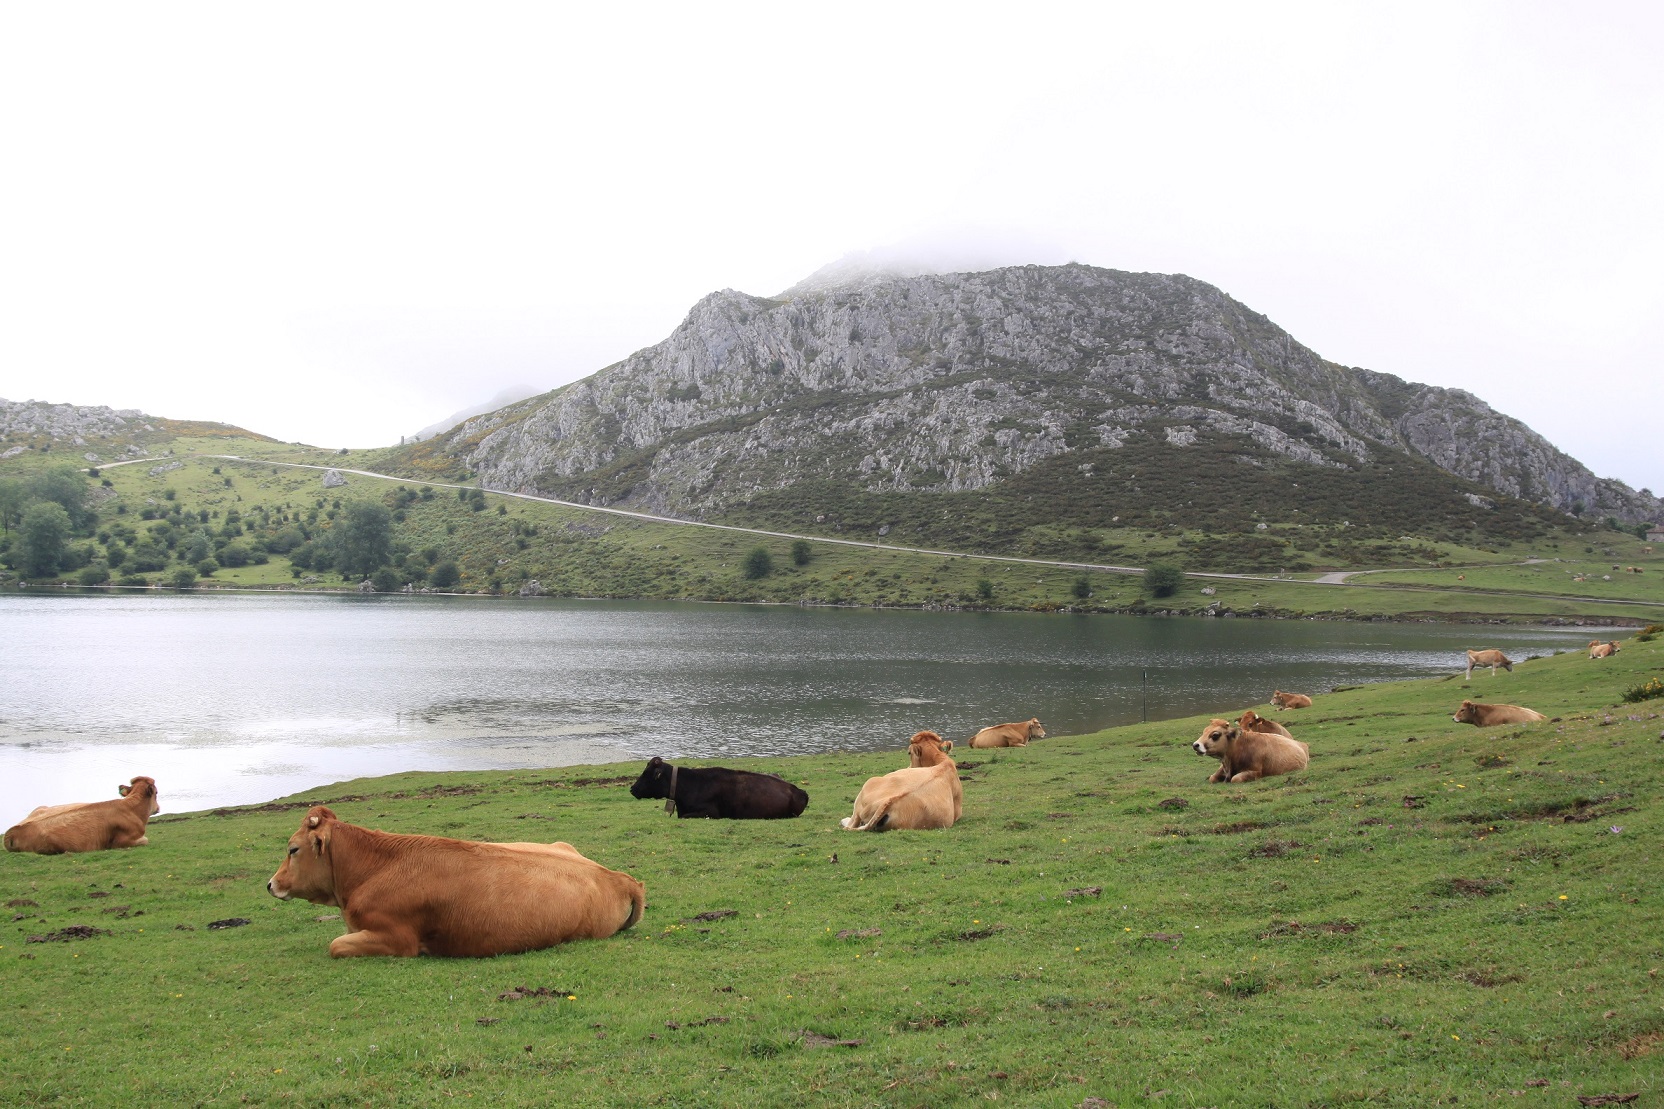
{"x": 1465, "y": 916}
{"x": 576, "y": 552}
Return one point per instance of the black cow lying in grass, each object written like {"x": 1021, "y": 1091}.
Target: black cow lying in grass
{"x": 716, "y": 792}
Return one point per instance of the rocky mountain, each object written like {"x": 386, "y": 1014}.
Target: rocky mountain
{"x": 92, "y": 433}
{"x": 886, "y": 384}
{"x": 503, "y": 397}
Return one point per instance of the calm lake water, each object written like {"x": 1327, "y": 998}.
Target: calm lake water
{"x": 237, "y": 699}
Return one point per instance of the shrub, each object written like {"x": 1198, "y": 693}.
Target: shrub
{"x": 1646, "y": 691}
{"x": 1162, "y": 579}
{"x": 758, "y": 563}
{"x": 207, "y": 567}
{"x": 96, "y": 574}
{"x": 386, "y": 580}
{"x": 1082, "y": 588}
{"x": 182, "y": 578}
{"x": 800, "y": 552}
{"x": 984, "y": 589}
{"x": 445, "y": 575}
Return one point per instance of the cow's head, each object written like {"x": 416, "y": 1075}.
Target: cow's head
{"x": 308, "y": 872}
{"x": 1467, "y": 714}
{"x": 1251, "y": 721}
{"x": 1215, "y": 738}
{"x": 654, "y": 781}
{"x": 142, "y": 787}
{"x": 1036, "y": 730}
{"x": 928, "y": 749}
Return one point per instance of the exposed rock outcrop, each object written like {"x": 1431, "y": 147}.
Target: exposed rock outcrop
{"x": 954, "y": 382}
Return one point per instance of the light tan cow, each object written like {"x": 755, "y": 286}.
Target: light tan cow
{"x": 924, "y": 794}
{"x": 1246, "y": 756}
{"x": 1252, "y": 721}
{"x": 1490, "y": 657}
{"x": 1597, "y": 649}
{"x": 1290, "y": 700}
{"x": 1488, "y": 716}
{"x": 89, "y": 825}
{"x": 426, "y": 895}
{"x": 1010, "y": 735}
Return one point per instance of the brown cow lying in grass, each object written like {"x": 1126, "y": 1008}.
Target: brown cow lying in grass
{"x": 1290, "y": 700}
{"x": 424, "y": 895}
{"x": 1597, "y": 649}
{"x": 1010, "y": 735}
{"x": 1486, "y": 716}
{"x": 89, "y": 825}
{"x": 1252, "y": 721}
{"x": 1491, "y": 658}
{"x": 1245, "y": 756}
{"x": 925, "y": 794}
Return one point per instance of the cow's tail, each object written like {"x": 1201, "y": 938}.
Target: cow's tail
{"x": 638, "y": 904}
{"x": 878, "y": 822}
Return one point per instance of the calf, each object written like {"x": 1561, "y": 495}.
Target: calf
{"x": 714, "y": 791}
{"x": 1290, "y": 700}
{"x": 1246, "y": 756}
{"x": 1598, "y": 649}
{"x": 1252, "y": 721}
{"x": 89, "y": 825}
{"x": 1488, "y": 716}
{"x": 1010, "y": 735}
{"x": 1491, "y": 658}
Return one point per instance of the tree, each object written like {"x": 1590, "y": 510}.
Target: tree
{"x": 984, "y": 589}
{"x": 183, "y": 578}
{"x": 1082, "y": 588}
{"x": 758, "y": 563}
{"x": 800, "y": 552}
{"x": 42, "y": 539}
{"x": 365, "y": 540}
{"x": 64, "y": 486}
{"x": 1162, "y": 579}
{"x": 445, "y": 575}
{"x": 385, "y": 580}
{"x": 12, "y": 502}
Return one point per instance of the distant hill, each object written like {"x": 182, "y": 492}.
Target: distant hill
{"x": 89, "y": 434}
{"x": 1000, "y": 407}
{"x": 504, "y": 397}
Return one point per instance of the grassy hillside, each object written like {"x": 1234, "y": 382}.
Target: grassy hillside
{"x": 260, "y": 513}
{"x": 1429, "y": 915}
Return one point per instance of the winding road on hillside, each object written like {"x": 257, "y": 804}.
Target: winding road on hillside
{"x": 1336, "y": 579}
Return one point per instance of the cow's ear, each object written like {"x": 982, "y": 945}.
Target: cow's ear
{"x": 124, "y": 790}
{"x": 654, "y": 763}
{"x": 317, "y": 815}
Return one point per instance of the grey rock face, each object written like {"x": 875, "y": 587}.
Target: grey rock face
{"x": 334, "y": 479}
{"x": 952, "y": 382}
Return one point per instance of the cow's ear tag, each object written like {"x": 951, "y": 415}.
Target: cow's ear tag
{"x": 314, "y": 821}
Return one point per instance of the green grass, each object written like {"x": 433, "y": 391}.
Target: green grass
{"x": 1431, "y": 914}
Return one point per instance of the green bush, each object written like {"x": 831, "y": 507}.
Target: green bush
{"x": 800, "y": 552}
{"x": 445, "y": 575}
{"x": 96, "y": 574}
{"x": 207, "y": 567}
{"x": 984, "y": 589}
{"x": 1082, "y": 588}
{"x": 1163, "y": 579}
{"x": 182, "y": 578}
{"x": 1646, "y": 691}
{"x": 758, "y": 563}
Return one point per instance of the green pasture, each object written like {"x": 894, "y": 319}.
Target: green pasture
{"x": 1431, "y": 914}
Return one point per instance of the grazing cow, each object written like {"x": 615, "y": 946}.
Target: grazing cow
{"x": 1245, "y": 756}
{"x": 89, "y": 825}
{"x": 1010, "y": 735}
{"x": 1290, "y": 700}
{"x": 1491, "y": 658}
{"x": 1597, "y": 649}
{"x": 716, "y": 792}
{"x": 1253, "y": 722}
{"x": 924, "y": 794}
{"x": 424, "y": 895}
{"x": 1488, "y": 716}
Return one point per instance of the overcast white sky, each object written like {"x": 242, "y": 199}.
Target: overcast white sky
{"x": 337, "y": 223}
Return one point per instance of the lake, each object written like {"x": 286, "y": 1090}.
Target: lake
{"x": 239, "y": 698}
